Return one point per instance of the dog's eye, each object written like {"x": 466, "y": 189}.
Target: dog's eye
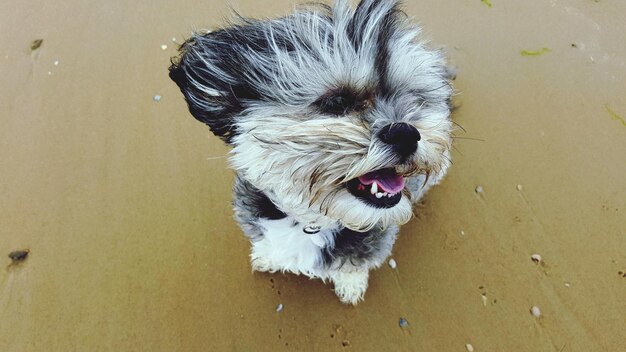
{"x": 339, "y": 102}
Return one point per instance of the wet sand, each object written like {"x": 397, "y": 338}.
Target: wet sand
{"x": 124, "y": 202}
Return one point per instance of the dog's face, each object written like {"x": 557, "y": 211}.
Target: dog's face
{"x": 327, "y": 110}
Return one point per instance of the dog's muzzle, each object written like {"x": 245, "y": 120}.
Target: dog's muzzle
{"x": 381, "y": 188}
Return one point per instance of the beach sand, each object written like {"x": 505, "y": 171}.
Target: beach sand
{"x": 123, "y": 202}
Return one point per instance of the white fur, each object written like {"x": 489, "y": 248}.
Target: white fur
{"x": 350, "y": 283}
{"x": 285, "y": 247}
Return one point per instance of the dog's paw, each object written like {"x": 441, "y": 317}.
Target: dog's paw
{"x": 350, "y": 287}
{"x": 262, "y": 265}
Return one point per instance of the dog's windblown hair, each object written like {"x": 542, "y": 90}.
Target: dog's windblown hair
{"x": 339, "y": 119}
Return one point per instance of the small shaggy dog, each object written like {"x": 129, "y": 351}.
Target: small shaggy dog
{"x": 339, "y": 119}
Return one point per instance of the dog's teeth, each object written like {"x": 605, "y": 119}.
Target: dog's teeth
{"x": 389, "y": 195}
{"x": 374, "y": 188}
{"x": 385, "y": 194}
{"x": 379, "y": 195}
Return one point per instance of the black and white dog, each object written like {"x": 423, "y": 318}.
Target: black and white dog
{"x": 339, "y": 119}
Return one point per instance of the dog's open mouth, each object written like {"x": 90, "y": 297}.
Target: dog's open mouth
{"x": 381, "y": 188}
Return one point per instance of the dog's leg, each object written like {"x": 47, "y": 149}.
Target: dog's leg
{"x": 350, "y": 283}
{"x": 262, "y": 264}
{"x": 260, "y": 257}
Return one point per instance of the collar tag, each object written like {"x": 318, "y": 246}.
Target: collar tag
{"x": 311, "y": 230}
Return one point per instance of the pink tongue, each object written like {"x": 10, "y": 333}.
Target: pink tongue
{"x": 387, "y": 179}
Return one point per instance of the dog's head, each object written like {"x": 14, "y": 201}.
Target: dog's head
{"x": 327, "y": 110}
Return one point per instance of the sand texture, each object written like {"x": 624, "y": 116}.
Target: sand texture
{"x": 123, "y": 201}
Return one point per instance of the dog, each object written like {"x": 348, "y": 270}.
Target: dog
{"x": 339, "y": 122}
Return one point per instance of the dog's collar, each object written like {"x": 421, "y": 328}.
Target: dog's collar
{"x": 310, "y": 229}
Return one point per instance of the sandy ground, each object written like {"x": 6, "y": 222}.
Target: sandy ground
{"x": 123, "y": 202}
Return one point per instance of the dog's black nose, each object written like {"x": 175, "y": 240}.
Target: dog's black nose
{"x": 402, "y": 137}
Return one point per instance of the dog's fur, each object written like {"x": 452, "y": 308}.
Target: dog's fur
{"x": 303, "y": 101}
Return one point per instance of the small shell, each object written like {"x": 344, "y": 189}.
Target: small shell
{"x": 56, "y": 63}
{"x": 462, "y": 233}
{"x": 536, "y": 258}
{"x": 392, "y": 263}
{"x": 469, "y": 347}
{"x": 484, "y": 299}
{"x": 157, "y": 98}
{"x": 19, "y": 256}
{"x": 535, "y": 311}
{"x": 479, "y": 189}
{"x": 567, "y": 284}
{"x": 519, "y": 187}
{"x": 163, "y": 47}
{"x": 403, "y": 323}
{"x": 36, "y": 44}
{"x": 279, "y": 307}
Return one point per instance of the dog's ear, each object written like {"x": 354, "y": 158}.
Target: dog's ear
{"x": 209, "y": 76}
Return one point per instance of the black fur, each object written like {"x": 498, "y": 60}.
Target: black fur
{"x": 342, "y": 101}
{"x": 251, "y": 204}
{"x": 223, "y": 49}
{"x": 382, "y": 57}
{"x": 356, "y": 247}
{"x": 257, "y": 204}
